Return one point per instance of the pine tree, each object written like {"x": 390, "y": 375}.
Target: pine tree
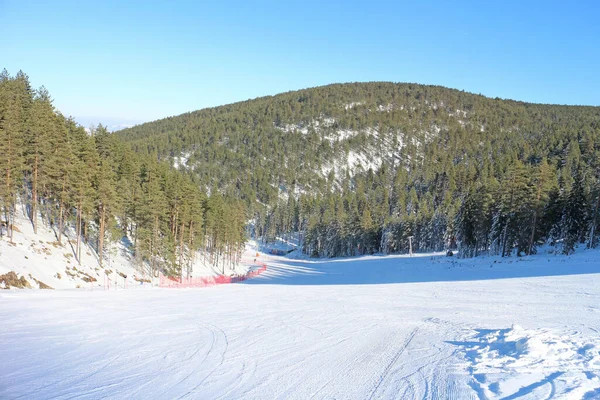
{"x": 14, "y": 113}
{"x": 152, "y": 211}
{"x": 595, "y": 193}
{"x": 514, "y": 210}
{"x": 473, "y": 223}
{"x": 105, "y": 182}
{"x": 39, "y": 147}
{"x": 544, "y": 182}
{"x": 83, "y": 170}
{"x": 574, "y": 220}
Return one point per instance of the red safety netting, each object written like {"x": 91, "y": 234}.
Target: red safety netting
{"x": 204, "y": 281}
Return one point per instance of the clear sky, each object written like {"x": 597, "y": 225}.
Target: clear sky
{"x": 143, "y": 60}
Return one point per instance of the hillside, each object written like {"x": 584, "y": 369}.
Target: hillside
{"x": 358, "y": 168}
{"x": 304, "y": 138}
{"x": 39, "y": 261}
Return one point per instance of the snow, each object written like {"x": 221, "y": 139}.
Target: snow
{"x": 364, "y": 161}
{"x": 284, "y": 244}
{"x": 350, "y": 106}
{"x": 293, "y": 128}
{"x": 458, "y": 113}
{"x": 40, "y": 257}
{"x": 327, "y": 122}
{"x": 340, "y": 135}
{"x": 368, "y": 157}
{"x": 402, "y": 327}
{"x": 385, "y": 108}
{"x": 513, "y": 360}
{"x": 181, "y": 161}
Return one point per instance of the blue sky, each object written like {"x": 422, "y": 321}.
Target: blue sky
{"x": 123, "y": 63}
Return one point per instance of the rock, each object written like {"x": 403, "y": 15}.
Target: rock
{"x": 11, "y": 279}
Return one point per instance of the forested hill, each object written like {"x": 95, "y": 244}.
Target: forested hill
{"x": 369, "y": 164}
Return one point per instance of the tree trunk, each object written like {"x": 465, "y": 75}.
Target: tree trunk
{"x": 61, "y": 209}
{"x": 591, "y": 241}
{"x": 101, "y": 233}
{"x": 510, "y": 209}
{"x": 535, "y": 216}
{"x": 531, "y": 239}
{"x": 34, "y": 195}
{"x": 181, "y": 248}
{"x": 7, "y": 218}
{"x": 6, "y": 207}
{"x": 10, "y": 224}
{"x": 504, "y": 237}
{"x": 191, "y": 249}
{"x": 154, "y": 247}
{"x": 60, "y": 222}
{"x": 78, "y": 222}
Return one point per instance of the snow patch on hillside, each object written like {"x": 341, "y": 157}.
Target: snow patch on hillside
{"x": 367, "y": 157}
{"x": 357, "y": 160}
{"x": 181, "y": 161}
{"x": 458, "y": 114}
{"x": 340, "y": 135}
{"x": 326, "y": 122}
{"x": 352, "y": 105}
{"x": 293, "y": 128}
{"x": 380, "y": 147}
{"x": 385, "y": 108}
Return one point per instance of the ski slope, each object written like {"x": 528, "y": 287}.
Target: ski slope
{"x": 428, "y": 327}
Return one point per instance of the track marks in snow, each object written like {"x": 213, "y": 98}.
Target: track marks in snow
{"x": 393, "y": 361}
{"x": 325, "y": 338}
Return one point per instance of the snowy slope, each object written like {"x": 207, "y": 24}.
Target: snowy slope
{"x": 40, "y": 258}
{"x": 363, "y": 328}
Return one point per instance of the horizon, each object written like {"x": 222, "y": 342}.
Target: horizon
{"x": 129, "y": 64}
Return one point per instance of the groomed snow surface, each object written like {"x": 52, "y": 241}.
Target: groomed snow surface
{"x": 430, "y": 327}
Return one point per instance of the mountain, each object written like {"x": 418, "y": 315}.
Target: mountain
{"x": 358, "y": 168}
{"x": 308, "y": 136}
{"x": 111, "y": 124}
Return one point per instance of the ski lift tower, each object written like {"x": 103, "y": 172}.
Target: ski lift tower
{"x": 410, "y": 246}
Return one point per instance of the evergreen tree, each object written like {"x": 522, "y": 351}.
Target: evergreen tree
{"x": 574, "y": 220}
{"x": 544, "y": 182}
{"x": 513, "y": 218}
{"x": 14, "y": 116}
{"x": 106, "y": 203}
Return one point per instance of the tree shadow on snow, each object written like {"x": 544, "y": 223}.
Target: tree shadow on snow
{"x": 402, "y": 269}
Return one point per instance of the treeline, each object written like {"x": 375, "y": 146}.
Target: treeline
{"x": 93, "y": 187}
{"x": 529, "y": 205}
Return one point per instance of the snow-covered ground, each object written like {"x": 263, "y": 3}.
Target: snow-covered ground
{"x": 363, "y": 328}
{"x": 40, "y": 258}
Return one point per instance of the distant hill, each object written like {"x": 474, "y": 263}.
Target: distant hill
{"x": 404, "y": 152}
